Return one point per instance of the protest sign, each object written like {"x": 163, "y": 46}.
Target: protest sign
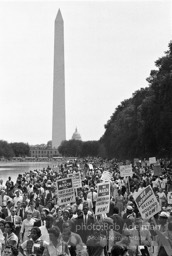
{"x": 126, "y": 170}
{"x": 90, "y": 166}
{"x": 103, "y": 198}
{"x": 169, "y": 197}
{"x": 127, "y": 162}
{"x": 152, "y": 160}
{"x": 147, "y": 203}
{"x": 65, "y": 191}
{"x": 76, "y": 180}
{"x": 106, "y": 176}
{"x": 157, "y": 170}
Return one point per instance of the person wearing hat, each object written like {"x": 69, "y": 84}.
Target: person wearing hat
{"x": 18, "y": 197}
{"x": 129, "y": 216}
{"x": 162, "y": 221}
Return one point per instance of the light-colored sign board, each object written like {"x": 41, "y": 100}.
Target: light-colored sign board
{"x": 65, "y": 191}
{"x": 76, "y": 179}
{"x": 103, "y": 198}
{"x": 147, "y": 203}
{"x": 106, "y": 176}
{"x": 152, "y": 160}
{"x": 126, "y": 170}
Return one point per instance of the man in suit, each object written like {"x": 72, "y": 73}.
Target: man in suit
{"x": 65, "y": 217}
{"x": 21, "y": 210}
{"x": 118, "y": 221}
{"x": 84, "y": 223}
{"x": 16, "y": 220}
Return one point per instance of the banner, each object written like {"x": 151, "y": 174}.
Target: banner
{"x": 147, "y": 203}
{"x": 157, "y": 170}
{"x": 103, "y": 198}
{"x": 65, "y": 191}
{"x": 126, "y": 170}
{"x": 76, "y": 180}
{"x": 152, "y": 160}
{"x": 169, "y": 197}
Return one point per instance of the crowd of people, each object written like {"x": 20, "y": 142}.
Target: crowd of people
{"x": 32, "y": 222}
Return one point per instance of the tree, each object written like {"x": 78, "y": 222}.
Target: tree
{"x": 6, "y": 149}
{"x": 142, "y": 125}
{"x": 20, "y": 149}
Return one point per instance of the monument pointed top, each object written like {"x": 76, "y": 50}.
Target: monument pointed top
{"x": 59, "y": 17}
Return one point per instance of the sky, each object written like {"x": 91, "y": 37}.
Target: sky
{"x": 110, "y": 49}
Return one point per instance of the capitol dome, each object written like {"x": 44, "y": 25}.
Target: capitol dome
{"x": 76, "y": 135}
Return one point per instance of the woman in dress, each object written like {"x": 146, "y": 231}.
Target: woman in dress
{"x": 34, "y": 245}
{"x": 26, "y": 227}
{"x": 119, "y": 202}
{"x": 10, "y": 237}
{"x": 56, "y": 246}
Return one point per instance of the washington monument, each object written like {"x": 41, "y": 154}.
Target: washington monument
{"x": 59, "y": 117}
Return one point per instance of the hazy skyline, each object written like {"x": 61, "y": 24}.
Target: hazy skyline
{"x": 110, "y": 49}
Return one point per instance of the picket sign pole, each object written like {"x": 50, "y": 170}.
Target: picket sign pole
{"x": 128, "y": 185}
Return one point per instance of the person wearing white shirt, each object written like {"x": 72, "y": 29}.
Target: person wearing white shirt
{"x": 44, "y": 229}
{"x": 88, "y": 201}
{"x": 17, "y": 198}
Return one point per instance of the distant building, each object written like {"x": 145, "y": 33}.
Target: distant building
{"x": 43, "y": 151}
{"x": 76, "y": 135}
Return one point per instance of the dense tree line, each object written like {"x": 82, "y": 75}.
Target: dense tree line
{"x": 142, "y": 125}
{"x": 78, "y": 148}
{"x": 16, "y": 149}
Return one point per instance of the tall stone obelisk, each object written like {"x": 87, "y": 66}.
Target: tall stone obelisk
{"x": 59, "y": 116}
